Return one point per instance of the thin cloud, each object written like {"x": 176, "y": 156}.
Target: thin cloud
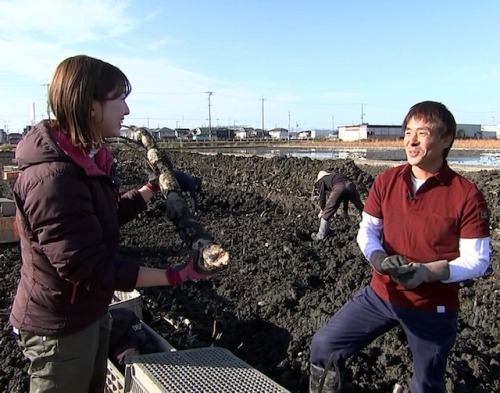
{"x": 67, "y": 22}
{"x": 155, "y": 45}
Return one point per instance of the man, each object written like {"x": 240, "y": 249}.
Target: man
{"x": 190, "y": 184}
{"x": 341, "y": 190}
{"x": 424, "y": 229}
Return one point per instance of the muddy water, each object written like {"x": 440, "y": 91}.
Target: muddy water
{"x": 466, "y": 157}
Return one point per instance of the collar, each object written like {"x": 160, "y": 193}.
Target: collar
{"x": 442, "y": 175}
{"x": 99, "y": 166}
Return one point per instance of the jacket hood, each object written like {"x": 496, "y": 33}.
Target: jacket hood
{"x": 47, "y": 143}
{"x": 37, "y": 147}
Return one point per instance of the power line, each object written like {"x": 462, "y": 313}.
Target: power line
{"x": 43, "y": 84}
{"x": 166, "y": 93}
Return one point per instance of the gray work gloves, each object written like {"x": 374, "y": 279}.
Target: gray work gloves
{"x": 409, "y": 275}
{"x": 384, "y": 264}
{"x": 414, "y": 274}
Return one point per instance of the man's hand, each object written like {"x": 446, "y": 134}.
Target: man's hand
{"x": 320, "y": 214}
{"x": 390, "y": 265}
{"x": 384, "y": 264}
{"x": 415, "y": 274}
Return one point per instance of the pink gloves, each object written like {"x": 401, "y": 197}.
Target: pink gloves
{"x": 185, "y": 272}
{"x": 153, "y": 183}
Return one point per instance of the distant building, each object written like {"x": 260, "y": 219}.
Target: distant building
{"x": 278, "y": 133}
{"x": 369, "y": 131}
{"x": 322, "y": 133}
{"x": 204, "y": 134}
{"x": 225, "y": 133}
{"x": 468, "y": 131}
{"x": 240, "y": 134}
{"x": 492, "y": 130}
{"x": 373, "y": 132}
{"x": 261, "y": 134}
{"x": 305, "y": 134}
{"x": 127, "y": 133}
{"x": 183, "y": 133}
{"x": 164, "y": 134}
{"x": 14, "y": 138}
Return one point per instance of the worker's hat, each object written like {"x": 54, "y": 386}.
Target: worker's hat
{"x": 321, "y": 174}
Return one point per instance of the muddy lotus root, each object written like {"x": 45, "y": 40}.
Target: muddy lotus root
{"x": 213, "y": 257}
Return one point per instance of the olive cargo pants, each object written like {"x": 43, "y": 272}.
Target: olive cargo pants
{"x": 76, "y": 363}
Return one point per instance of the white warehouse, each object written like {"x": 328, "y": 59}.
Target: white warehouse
{"x": 369, "y": 131}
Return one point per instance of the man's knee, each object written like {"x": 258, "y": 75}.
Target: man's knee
{"x": 320, "y": 349}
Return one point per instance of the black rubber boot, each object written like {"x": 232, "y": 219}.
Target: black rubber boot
{"x": 332, "y": 381}
{"x": 324, "y": 227}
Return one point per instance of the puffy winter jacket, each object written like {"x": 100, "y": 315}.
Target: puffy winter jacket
{"x": 68, "y": 216}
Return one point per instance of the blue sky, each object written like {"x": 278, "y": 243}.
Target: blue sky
{"x": 308, "y": 63}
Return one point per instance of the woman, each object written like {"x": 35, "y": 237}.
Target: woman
{"x": 68, "y": 214}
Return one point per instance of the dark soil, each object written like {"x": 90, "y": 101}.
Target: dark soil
{"x": 280, "y": 287}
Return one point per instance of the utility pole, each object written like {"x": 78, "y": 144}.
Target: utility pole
{"x": 209, "y": 115}
{"x": 47, "y": 85}
{"x": 288, "y": 126}
{"x": 362, "y": 114}
{"x": 263, "y": 99}
{"x": 33, "y": 114}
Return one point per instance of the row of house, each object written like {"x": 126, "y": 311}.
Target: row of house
{"x": 358, "y": 132}
{"x": 230, "y": 133}
{"x": 214, "y": 133}
{"x": 12, "y": 138}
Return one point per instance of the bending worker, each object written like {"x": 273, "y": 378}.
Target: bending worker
{"x": 342, "y": 190}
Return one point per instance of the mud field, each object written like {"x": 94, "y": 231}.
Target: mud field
{"x": 280, "y": 287}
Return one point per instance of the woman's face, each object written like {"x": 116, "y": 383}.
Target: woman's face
{"x": 108, "y": 115}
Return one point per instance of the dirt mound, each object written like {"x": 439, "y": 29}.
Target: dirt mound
{"x": 280, "y": 287}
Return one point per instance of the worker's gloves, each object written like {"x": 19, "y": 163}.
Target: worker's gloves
{"x": 187, "y": 271}
{"x": 153, "y": 183}
{"x": 384, "y": 264}
{"x": 414, "y": 274}
{"x": 391, "y": 265}
{"x": 409, "y": 275}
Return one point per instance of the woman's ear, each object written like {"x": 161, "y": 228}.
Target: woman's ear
{"x": 95, "y": 109}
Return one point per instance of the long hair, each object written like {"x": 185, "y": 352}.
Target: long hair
{"x": 439, "y": 118}
{"x": 76, "y": 82}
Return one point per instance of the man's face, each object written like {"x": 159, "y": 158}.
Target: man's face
{"x": 424, "y": 148}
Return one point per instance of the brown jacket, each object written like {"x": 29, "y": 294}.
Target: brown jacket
{"x": 68, "y": 214}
